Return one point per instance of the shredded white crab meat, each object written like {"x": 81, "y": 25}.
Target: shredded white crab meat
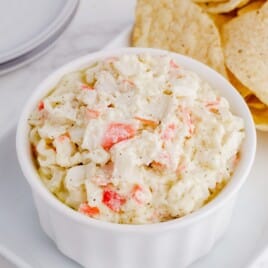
{"x": 135, "y": 139}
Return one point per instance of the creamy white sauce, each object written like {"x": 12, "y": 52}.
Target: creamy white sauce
{"x": 135, "y": 139}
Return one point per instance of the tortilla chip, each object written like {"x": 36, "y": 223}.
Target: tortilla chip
{"x": 259, "y": 110}
{"x": 260, "y": 117}
{"x": 224, "y": 7}
{"x": 221, "y": 19}
{"x": 244, "y": 91}
{"x": 255, "y": 103}
{"x": 250, "y": 7}
{"x": 245, "y": 41}
{"x": 179, "y": 26}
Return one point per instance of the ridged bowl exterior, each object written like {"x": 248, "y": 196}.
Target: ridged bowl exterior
{"x": 97, "y": 248}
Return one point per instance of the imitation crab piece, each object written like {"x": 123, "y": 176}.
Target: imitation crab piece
{"x": 41, "y": 106}
{"x": 117, "y": 132}
{"x": 84, "y": 208}
{"x": 113, "y": 200}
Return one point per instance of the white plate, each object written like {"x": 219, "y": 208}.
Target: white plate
{"x": 39, "y": 50}
{"x": 23, "y": 242}
{"x": 24, "y": 39}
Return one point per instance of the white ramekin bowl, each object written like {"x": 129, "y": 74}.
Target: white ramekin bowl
{"x": 98, "y": 244}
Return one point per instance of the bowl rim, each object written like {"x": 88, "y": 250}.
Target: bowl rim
{"x": 37, "y": 186}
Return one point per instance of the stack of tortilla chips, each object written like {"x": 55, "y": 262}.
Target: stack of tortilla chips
{"x": 231, "y": 36}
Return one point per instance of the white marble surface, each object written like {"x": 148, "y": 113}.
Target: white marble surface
{"x": 95, "y": 24}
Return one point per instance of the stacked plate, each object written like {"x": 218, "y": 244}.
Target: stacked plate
{"x": 29, "y": 27}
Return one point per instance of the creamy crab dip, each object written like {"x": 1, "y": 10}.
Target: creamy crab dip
{"x": 135, "y": 139}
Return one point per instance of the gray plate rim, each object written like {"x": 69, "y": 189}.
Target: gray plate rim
{"x": 44, "y": 35}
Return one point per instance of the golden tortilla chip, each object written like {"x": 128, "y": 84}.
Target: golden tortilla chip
{"x": 250, "y": 7}
{"x": 258, "y": 109}
{"x": 179, "y": 26}
{"x": 221, "y": 19}
{"x": 245, "y": 41}
{"x": 224, "y": 7}
{"x": 255, "y": 103}
{"x": 260, "y": 117}
{"x": 244, "y": 91}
